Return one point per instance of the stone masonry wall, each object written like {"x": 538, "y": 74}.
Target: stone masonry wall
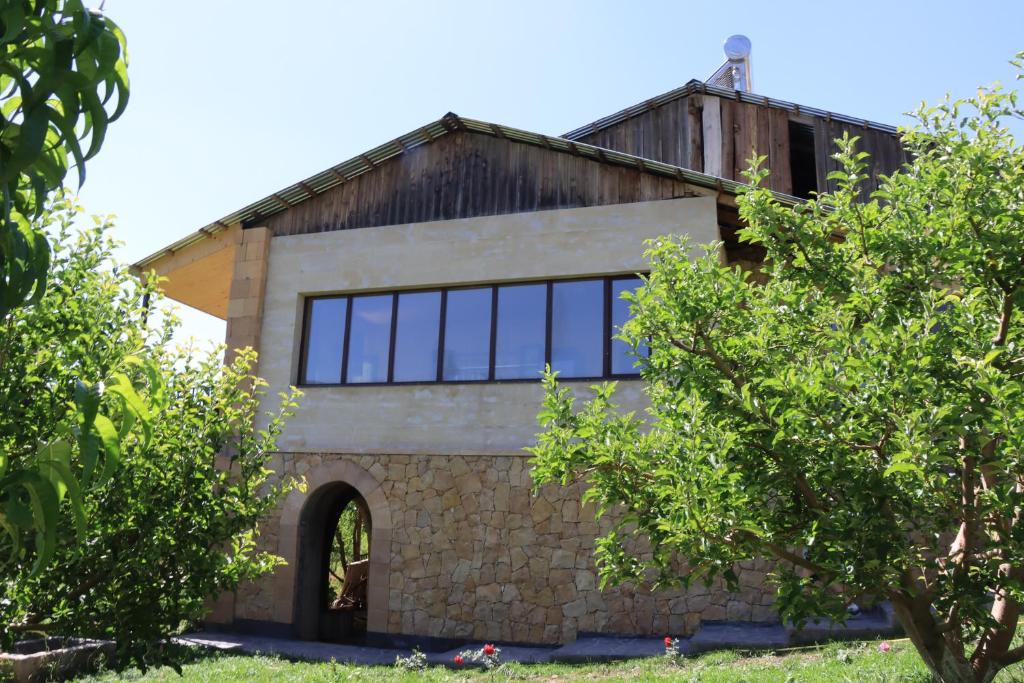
{"x": 473, "y": 554}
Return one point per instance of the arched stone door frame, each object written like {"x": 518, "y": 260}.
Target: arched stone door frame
{"x": 324, "y": 475}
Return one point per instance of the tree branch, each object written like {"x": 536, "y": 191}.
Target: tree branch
{"x": 1011, "y": 656}
{"x": 727, "y": 369}
{"x": 1004, "y": 318}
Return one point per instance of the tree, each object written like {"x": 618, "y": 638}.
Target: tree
{"x": 176, "y": 522}
{"x": 63, "y": 79}
{"x": 858, "y": 417}
{"x": 61, "y": 65}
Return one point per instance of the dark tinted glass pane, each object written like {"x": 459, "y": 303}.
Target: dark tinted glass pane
{"x": 519, "y": 348}
{"x": 419, "y": 321}
{"x": 623, "y": 362}
{"x": 577, "y": 328}
{"x": 467, "y": 334}
{"x": 324, "y": 339}
{"x": 369, "y": 339}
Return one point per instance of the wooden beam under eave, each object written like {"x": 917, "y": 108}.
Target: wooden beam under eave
{"x": 199, "y": 274}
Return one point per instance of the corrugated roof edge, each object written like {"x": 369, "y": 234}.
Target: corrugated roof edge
{"x": 307, "y": 189}
{"x": 695, "y": 87}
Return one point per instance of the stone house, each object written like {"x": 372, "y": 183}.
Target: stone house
{"x": 415, "y": 291}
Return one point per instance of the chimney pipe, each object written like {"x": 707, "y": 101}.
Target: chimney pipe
{"x": 735, "y": 73}
{"x": 737, "y": 51}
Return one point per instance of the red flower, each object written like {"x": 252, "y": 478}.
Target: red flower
{"x": 884, "y": 646}
{"x": 668, "y": 641}
{"x": 458, "y": 660}
{"x": 488, "y": 649}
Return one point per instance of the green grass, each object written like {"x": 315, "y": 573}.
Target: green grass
{"x": 839, "y": 663}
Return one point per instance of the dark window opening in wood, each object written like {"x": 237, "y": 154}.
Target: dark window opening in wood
{"x": 801, "y": 159}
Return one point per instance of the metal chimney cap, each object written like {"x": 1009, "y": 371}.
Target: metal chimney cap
{"x": 737, "y": 47}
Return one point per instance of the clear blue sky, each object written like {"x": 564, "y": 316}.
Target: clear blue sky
{"x": 232, "y": 100}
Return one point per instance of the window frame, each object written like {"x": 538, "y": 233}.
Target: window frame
{"x": 609, "y": 324}
{"x": 394, "y": 335}
{"x": 389, "y": 362}
{"x": 606, "y": 316}
{"x": 444, "y": 324}
{"x": 307, "y": 323}
{"x": 549, "y": 283}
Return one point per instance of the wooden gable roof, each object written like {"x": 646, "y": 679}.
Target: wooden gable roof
{"x": 460, "y": 167}
{"x": 467, "y": 174}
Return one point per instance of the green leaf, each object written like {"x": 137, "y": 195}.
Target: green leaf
{"x": 900, "y": 467}
{"x": 111, "y": 445}
{"x": 87, "y": 399}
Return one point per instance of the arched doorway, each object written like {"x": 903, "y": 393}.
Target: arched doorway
{"x": 333, "y": 567}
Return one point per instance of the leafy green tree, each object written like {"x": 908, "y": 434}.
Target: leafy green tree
{"x": 859, "y": 416}
{"x": 63, "y": 79}
{"x": 175, "y": 523}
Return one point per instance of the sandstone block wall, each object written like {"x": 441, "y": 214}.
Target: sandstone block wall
{"x": 473, "y": 554}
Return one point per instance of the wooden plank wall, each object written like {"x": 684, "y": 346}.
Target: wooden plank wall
{"x": 750, "y": 130}
{"x": 682, "y": 132}
{"x": 887, "y": 155}
{"x": 671, "y": 133}
{"x": 463, "y": 175}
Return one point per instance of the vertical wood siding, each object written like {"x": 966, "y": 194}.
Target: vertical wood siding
{"x": 887, "y": 155}
{"x": 677, "y": 133}
{"x": 670, "y": 133}
{"x": 463, "y": 175}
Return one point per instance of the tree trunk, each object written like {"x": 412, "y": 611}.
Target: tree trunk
{"x": 339, "y": 539}
{"x": 357, "y": 534}
{"x": 942, "y": 653}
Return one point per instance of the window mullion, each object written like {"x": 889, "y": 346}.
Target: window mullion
{"x": 607, "y": 344}
{"x": 494, "y": 333}
{"x": 440, "y": 335}
{"x": 347, "y": 336}
{"x": 547, "y": 325}
{"x": 394, "y": 332}
{"x": 307, "y": 315}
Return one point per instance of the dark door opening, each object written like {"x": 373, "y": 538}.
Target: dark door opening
{"x": 801, "y": 160}
{"x": 333, "y": 566}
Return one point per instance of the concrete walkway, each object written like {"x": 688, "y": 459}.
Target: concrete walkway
{"x": 292, "y": 649}
{"x": 711, "y": 636}
{"x": 593, "y": 649}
